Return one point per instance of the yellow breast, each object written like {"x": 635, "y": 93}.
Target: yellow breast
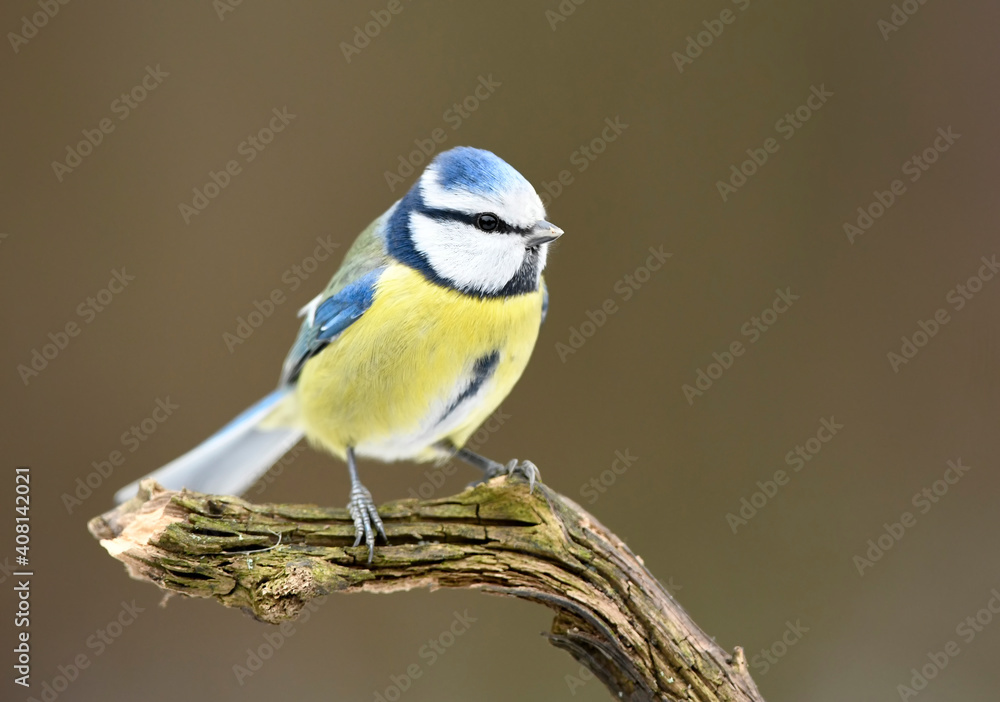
{"x": 383, "y": 385}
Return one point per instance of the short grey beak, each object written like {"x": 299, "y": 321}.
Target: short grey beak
{"x": 542, "y": 233}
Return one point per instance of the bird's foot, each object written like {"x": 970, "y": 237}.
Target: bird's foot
{"x": 366, "y": 519}
{"x": 527, "y": 469}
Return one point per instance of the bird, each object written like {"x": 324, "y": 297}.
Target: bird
{"x": 421, "y": 333}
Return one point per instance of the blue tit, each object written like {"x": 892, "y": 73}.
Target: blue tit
{"x": 419, "y": 336}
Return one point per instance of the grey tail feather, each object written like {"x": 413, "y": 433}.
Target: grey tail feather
{"x": 232, "y": 459}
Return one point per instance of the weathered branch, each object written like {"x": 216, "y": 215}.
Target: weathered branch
{"x": 611, "y": 614}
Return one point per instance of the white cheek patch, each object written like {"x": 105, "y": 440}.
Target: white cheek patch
{"x": 543, "y": 257}
{"x": 466, "y": 256}
{"x": 519, "y": 205}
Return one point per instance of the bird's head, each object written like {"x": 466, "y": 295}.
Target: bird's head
{"x": 472, "y": 223}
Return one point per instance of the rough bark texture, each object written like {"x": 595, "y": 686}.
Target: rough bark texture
{"x": 268, "y": 560}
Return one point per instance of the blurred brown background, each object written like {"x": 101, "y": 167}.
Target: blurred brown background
{"x": 789, "y": 568}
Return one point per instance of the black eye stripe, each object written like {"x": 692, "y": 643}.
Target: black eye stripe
{"x": 453, "y": 216}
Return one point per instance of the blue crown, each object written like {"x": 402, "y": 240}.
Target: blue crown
{"x": 477, "y": 171}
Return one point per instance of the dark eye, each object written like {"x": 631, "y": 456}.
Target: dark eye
{"x": 487, "y": 221}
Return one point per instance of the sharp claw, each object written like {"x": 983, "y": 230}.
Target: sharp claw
{"x": 531, "y": 471}
{"x": 358, "y": 524}
{"x": 366, "y": 519}
{"x": 369, "y": 541}
{"x": 526, "y": 468}
{"x": 377, "y": 521}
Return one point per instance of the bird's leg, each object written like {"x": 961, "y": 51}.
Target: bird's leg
{"x": 363, "y": 510}
{"x": 491, "y": 468}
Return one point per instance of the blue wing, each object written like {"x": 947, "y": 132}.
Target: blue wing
{"x": 326, "y": 319}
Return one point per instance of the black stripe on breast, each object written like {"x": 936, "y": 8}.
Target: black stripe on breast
{"x": 482, "y": 370}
